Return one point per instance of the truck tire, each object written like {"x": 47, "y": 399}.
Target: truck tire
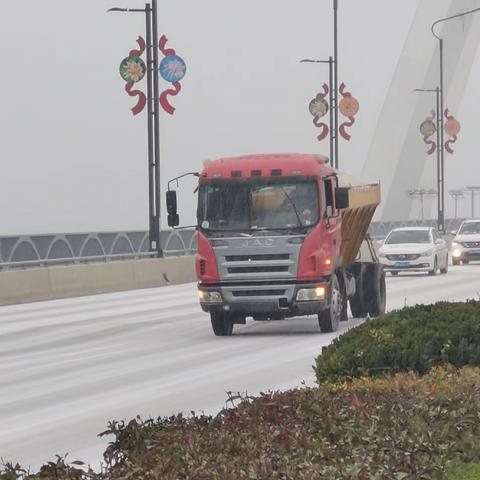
{"x": 222, "y": 324}
{"x": 357, "y": 302}
{"x": 374, "y": 289}
{"x": 329, "y": 318}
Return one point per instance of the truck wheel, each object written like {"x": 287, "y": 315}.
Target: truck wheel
{"x": 374, "y": 289}
{"x": 357, "y": 303}
{"x": 222, "y": 324}
{"x": 329, "y": 318}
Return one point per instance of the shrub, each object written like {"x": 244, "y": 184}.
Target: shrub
{"x": 403, "y": 427}
{"x": 412, "y": 339}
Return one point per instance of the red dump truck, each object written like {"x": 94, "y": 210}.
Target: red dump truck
{"x": 284, "y": 235}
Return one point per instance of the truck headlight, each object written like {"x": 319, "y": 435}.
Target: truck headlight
{"x": 457, "y": 253}
{"x": 209, "y": 297}
{"x": 427, "y": 253}
{"x": 455, "y": 245}
{"x": 310, "y": 294}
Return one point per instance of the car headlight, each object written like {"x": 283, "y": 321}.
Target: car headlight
{"x": 209, "y": 297}
{"x": 427, "y": 253}
{"x": 310, "y": 294}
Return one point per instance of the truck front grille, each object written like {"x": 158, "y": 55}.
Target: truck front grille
{"x": 262, "y": 269}
{"x": 257, "y": 258}
{"x": 258, "y": 293}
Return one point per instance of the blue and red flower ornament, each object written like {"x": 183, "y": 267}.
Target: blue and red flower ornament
{"x": 172, "y": 69}
{"x": 348, "y": 107}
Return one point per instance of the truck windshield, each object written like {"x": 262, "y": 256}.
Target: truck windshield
{"x": 256, "y": 205}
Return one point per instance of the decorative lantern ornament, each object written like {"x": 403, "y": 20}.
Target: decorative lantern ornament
{"x": 348, "y": 107}
{"x": 452, "y": 129}
{"x": 427, "y": 129}
{"x": 172, "y": 69}
{"x": 318, "y": 108}
{"x": 132, "y": 69}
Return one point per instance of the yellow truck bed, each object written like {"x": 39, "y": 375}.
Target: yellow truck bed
{"x": 363, "y": 200}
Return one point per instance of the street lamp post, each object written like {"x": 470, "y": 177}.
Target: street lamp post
{"x": 172, "y": 69}
{"x": 438, "y": 128}
{"x": 153, "y": 123}
{"x": 332, "y": 112}
{"x": 473, "y": 191}
{"x": 441, "y": 145}
{"x": 348, "y": 106}
{"x": 421, "y": 193}
{"x": 456, "y": 195}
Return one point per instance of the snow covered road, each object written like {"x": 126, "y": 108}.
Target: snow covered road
{"x": 69, "y": 366}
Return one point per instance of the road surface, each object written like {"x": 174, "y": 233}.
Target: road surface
{"x": 69, "y": 366}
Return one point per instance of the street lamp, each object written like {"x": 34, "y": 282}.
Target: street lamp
{"x": 456, "y": 195}
{"x": 441, "y": 145}
{"x": 348, "y": 106}
{"x": 332, "y": 93}
{"x": 421, "y": 193}
{"x": 473, "y": 191}
{"x": 153, "y": 123}
{"x": 132, "y": 69}
{"x": 427, "y": 130}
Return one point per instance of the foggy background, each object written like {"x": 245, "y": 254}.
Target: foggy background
{"x": 74, "y": 157}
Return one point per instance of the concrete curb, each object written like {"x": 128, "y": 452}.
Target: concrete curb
{"x": 49, "y": 283}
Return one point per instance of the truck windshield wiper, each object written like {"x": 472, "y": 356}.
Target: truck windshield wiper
{"x": 300, "y": 224}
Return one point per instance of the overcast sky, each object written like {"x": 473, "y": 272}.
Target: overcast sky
{"x": 73, "y": 156}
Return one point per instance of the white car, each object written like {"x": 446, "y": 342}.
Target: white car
{"x": 414, "y": 249}
{"x": 466, "y": 244}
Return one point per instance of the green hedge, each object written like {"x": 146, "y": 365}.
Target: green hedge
{"x": 412, "y": 339}
{"x": 401, "y": 427}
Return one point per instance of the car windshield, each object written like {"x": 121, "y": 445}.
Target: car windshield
{"x": 256, "y": 205}
{"x": 470, "y": 227}
{"x": 408, "y": 236}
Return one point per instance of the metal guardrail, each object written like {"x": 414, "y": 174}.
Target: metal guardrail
{"x": 27, "y": 251}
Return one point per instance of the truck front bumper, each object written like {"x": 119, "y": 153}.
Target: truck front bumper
{"x": 273, "y": 301}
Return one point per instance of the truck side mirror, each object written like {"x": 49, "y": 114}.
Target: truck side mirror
{"x": 171, "y": 202}
{"x": 341, "y": 198}
{"x": 172, "y": 219}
